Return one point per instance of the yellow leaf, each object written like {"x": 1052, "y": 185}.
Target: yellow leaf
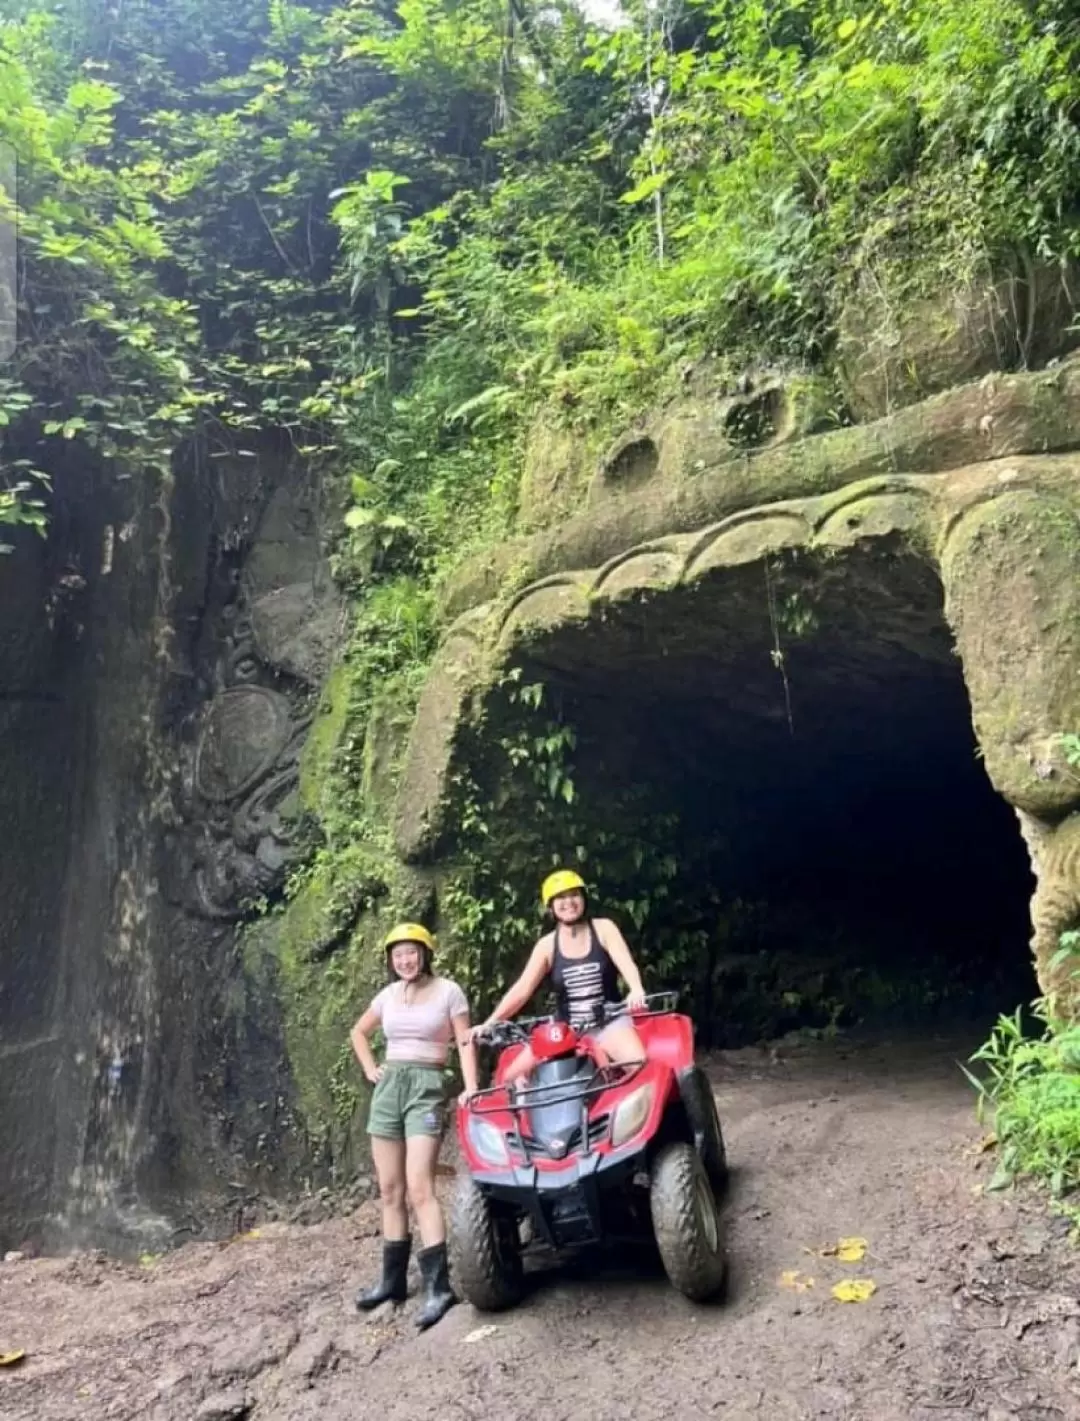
{"x": 11, "y": 1359}
{"x": 792, "y": 1278}
{"x": 854, "y": 1290}
{"x": 251, "y": 1233}
{"x": 846, "y": 1250}
{"x": 851, "y": 1250}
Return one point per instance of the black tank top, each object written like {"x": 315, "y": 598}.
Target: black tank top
{"x": 583, "y": 983}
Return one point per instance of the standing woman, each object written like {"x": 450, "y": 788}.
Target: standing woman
{"x": 418, "y": 1013}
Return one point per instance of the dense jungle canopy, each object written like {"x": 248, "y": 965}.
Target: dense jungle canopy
{"x": 392, "y": 231}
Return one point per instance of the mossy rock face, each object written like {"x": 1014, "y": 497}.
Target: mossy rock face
{"x": 1011, "y": 568}
{"x": 324, "y": 912}
{"x": 707, "y": 428}
{"x": 324, "y": 951}
{"x": 1056, "y": 910}
{"x": 455, "y": 675}
{"x": 324, "y": 737}
{"x": 896, "y": 346}
{"x": 893, "y": 349}
{"x": 316, "y": 1013}
{"x": 699, "y": 480}
{"x": 387, "y": 732}
{"x": 557, "y": 466}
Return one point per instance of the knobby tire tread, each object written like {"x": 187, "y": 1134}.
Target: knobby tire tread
{"x": 481, "y": 1275}
{"x": 691, "y": 1265}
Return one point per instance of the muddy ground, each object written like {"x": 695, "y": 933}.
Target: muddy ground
{"x": 976, "y": 1311}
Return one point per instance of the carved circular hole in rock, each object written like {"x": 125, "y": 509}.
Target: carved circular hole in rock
{"x": 633, "y": 461}
{"x": 244, "y": 732}
{"x": 754, "y": 421}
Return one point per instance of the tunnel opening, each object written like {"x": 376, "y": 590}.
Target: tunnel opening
{"x": 778, "y": 793}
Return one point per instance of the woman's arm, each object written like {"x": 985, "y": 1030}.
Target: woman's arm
{"x": 536, "y": 969}
{"x": 360, "y": 1044}
{"x": 466, "y": 1052}
{"x": 612, "y": 940}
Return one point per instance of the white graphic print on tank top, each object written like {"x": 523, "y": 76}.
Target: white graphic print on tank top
{"x": 584, "y": 986}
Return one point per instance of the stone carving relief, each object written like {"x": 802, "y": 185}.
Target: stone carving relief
{"x": 273, "y": 642}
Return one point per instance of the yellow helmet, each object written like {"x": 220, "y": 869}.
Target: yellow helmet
{"x": 564, "y": 880}
{"x": 409, "y": 932}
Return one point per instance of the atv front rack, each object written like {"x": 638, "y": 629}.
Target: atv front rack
{"x": 517, "y": 1101}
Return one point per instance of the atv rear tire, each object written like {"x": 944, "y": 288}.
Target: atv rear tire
{"x": 485, "y": 1252}
{"x": 687, "y": 1223}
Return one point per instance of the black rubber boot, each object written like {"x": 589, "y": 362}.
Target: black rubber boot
{"x": 438, "y": 1298}
{"x": 391, "y": 1286}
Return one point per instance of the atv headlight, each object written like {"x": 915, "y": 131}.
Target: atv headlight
{"x": 487, "y": 1141}
{"x": 631, "y": 1115}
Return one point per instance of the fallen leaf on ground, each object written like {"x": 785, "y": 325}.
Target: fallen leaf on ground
{"x": 251, "y": 1233}
{"x": 792, "y": 1278}
{"x": 854, "y": 1290}
{"x": 11, "y": 1359}
{"x": 846, "y": 1250}
{"x": 480, "y": 1333}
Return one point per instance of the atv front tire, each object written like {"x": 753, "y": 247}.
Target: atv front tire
{"x": 485, "y": 1251}
{"x": 687, "y": 1223}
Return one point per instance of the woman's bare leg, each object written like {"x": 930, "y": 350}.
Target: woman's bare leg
{"x": 523, "y": 1063}
{"x": 389, "y": 1160}
{"x": 622, "y": 1045}
{"x": 421, "y": 1153}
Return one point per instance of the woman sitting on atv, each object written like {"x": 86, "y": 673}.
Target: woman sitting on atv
{"x": 584, "y": 957}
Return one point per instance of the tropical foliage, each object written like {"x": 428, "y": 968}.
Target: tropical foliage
{"x": 395, "y": 230}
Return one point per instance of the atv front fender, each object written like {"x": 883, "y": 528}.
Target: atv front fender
{"x": 700, "y": 1106}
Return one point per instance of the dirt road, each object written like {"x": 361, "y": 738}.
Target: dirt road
{"x": 976, "y": 1311}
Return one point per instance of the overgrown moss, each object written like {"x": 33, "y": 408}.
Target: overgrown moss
{"x": 1011, "y": 570}
{"x": 324, "y": 740}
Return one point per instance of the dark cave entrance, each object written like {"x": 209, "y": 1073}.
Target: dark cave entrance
{"x": 782, "y": 764}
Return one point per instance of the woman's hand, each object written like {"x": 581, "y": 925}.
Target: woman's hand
{"x": 374, "y": 1075}
{"x": 465, "y": 1096}
{"x": 636, "y": 1000}
{"x": 477, "y": 1033}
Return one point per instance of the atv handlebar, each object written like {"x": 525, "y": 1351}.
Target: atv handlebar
{"x": 509, "y": 1033}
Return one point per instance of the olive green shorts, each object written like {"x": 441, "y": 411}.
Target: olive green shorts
{"x": 408, "y": 1101}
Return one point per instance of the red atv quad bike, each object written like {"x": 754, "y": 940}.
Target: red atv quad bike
{"x": 584, "y": 1152}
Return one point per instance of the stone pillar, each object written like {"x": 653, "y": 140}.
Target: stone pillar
{"x": 1011, "y": 569}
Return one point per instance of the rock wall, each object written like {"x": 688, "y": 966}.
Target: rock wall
{"x": 160, "y": 661}
{"x": 79, "y": 672}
